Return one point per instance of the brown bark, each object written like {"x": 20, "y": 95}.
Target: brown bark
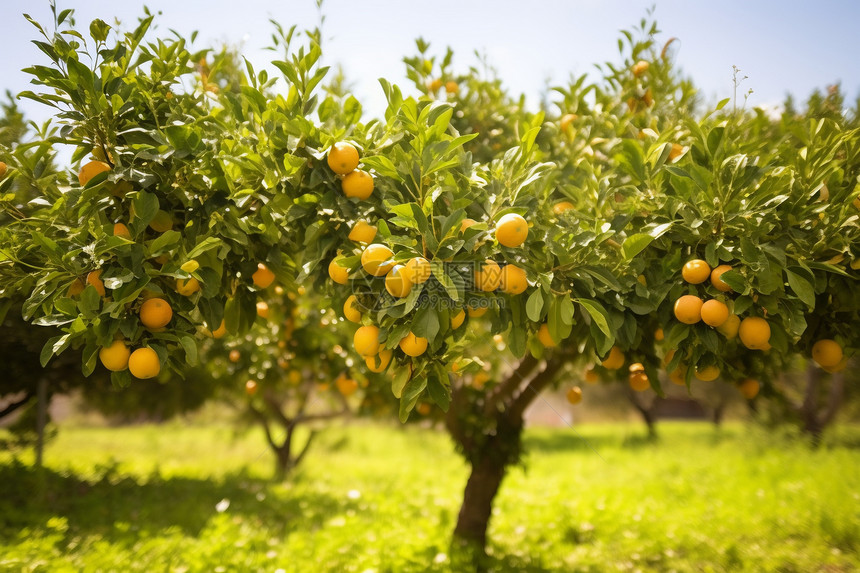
{"x": 647, "y": 414}
{"x": 481, "y": 489}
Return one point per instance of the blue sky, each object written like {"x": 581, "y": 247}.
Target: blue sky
{"x": 783, "y": 46}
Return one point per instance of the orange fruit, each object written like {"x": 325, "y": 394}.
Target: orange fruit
{"x": 488, "y": 277}
{"x": 262, "y": 309}
{"x": 366, "y": 340}
{"x": 435, "y": 85}
{"x": 512, "y": 230}
{"x": 397, "y": 282}
{"x": 187, "y": 287}
{"x": 220, "y": 331}
{"x": 466, "y": 223}
{"x": 235, "y": 356}
{"x": 155, "y": 313}
{"x": 143, "y": 363}
{"x": 115, "y": 356}
{"x": 574, "y": 395}
{"x": 707, "y": 374}
{"x": 562, "y": 206}
{"x": 358, "y": 184}
{"x": 376, "y": 260}
{"x": 458, "y": 319}
{"x": 827, "y": 353}
{"x": 730, "y": 327}
{"x": 716, "y": 281}
{"x": 640, "y": 68}
{"x": 3, "y": 169}
{"x": 94, "y": 279}
{"x": 614, "y": 360}
{"x": 350, "y": 309}
{"x": 451, "y": 87}
{"x": 754, "y": 333}
{"x": 749, "y": 388}
{"x": 659, "y": 335}
{"x": 639, "y": 381}
{"x": 251, "y": 388}
{"x": 477, "y": 312}
{"x": 90, "y": 170}
{"x": 423, "y": 408}
{"x": 346, "y": 386}
{"x": 342, "y": 157}
{"x": 162, "y": 222}
{"x": 120, "y": 230}
{"x": 338, "y": 274}
{"x": 545, "y": 337}
{"x": 696, "y": 271}
{"x": 418, "y": 270}
{"x": 513, "y": 280}
{"x": 412, "y": 345}
{"x": 714, "y": 313}
{"x": 688, "y": 309}
{"x": 362, "y": 232}
{"x": 676, "y": 150}
{"x": 636, "y": 367}
{"x": 263, "y": 277}
{"x": 591, "y": 376}
{"x": 76, "y": 288}
{"x": 678, "y": 376}
{"x": 378, "y": 362}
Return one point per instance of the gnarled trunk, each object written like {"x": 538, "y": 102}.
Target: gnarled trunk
{"x": 481, "y": 489}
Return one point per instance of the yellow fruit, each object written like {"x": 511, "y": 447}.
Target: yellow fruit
{"x": 262, "y": 309}
{"x": 512, "y": 230}
{"x": 477, "y": 312}
{"x": 435, "y": 85}
{"x": 379, "y": 362}
{"x": 678, "y": 376}
{"x": 358, "y": 184}
{"x": 480, "y": 379}
{"x": 458, "y": 319}
{"x": 488, "y": 277}
{"x": 412, "y": 345}
{"x": 423, "y": 408}
{"x": 707, "y": 373}
{"x": 677, "y": 149}
{"x": 696, "y": 271}
{"x": 346, "y": 386}
{"x": 362, "y": 232}
{"x": 639, "y": 381}
{"x": 190, "y": 266}
{"x": 162, "y": 222}
{"x": 749, "y": 388}
{"x": 659, "y": 335}
{"x": 235, "y": 356}
{"x": 143, "y": 363}
{"x": 418, "y": 270}
{"x": 614, "y": 360}
{"x": 688, "y": 309}
{"x": 115, "y": 356}
{"x": 155, "y": 313}
{"x": 545, "y": 337}
{"x": 342, "y": 157}
{"x": 76, "y": 288}
{"x": 397, "y": 282}
{"x": 574, "y": 395}
{"x": 466, "y": 223}
{"x": 90, "y": 170}
{"x": 716, "y": 281}
{"x": 642, "y": 280}
{"x": 640, "y": 68}
{"x": 366, "y": 340}
{"x": 120, "y": 230}
{"x": 220, "y": 331}
{"x": 376, "y": 260}
{"x": 350, "y": 309}
{"x": 94, "y": 279}
{"x": 827, "y": 353}
{"x": 263, "y": 277}
{"x": 729, "y": 328}
{"x": 452, "y": 87}
{"x": 338, "y": 274}
{"x": 562, "y": 206}
{"x": 3, "y": 169}
{"x": 754, "y": 333}
{"x": 513, "y": 280}
{"x": 714, "y": 313}
{"x": 566, "y": 120}
{"x": 187, "y": 287}
{"x": 636, "y": 367}
{"x": 251, "y": 387}
{"x": 591, "y": 376}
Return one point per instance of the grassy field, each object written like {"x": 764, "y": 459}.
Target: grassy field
{"x": 375, "y": 498}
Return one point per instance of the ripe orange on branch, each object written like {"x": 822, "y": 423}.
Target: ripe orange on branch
{"x": 342, "y": 157}
{"x": 614, "y": 360}
{"x": 263, "y": 277}
{"x": 338, "y": 273}
{"x": 115, "y": 357}
{"x": 458, "y": 319}
{"x": 714, "y": 313}
{"x": 574, "y": 395}
{"x": 412, "y": 345}
{"x": 827, "y": 353}
{"x": 376, "y": 260}
{"x": 545, "y": 337}
{"x": 512, "y": 230}
{"x": 366, "y": 340}
{"x": 754, "y": 332}
{"x": 379, "y": 362}
{"x": 696, "y": 271}
{"x": 688, "y": 309}
{"x": 358, "y": 184}
{"x": 397, "y": 281}
{"x": 717, "y": 281}
{"x": 155, "y": 313}
{"x": 143, "y": 363}
{"x": 362, "y": 232}
{"x": 488, "y": 276}
{"x": 513, "y": 279}
{"x": 94, "y": 279}
{"x": 90, "y": 170}
{"x": 187, "y": 287}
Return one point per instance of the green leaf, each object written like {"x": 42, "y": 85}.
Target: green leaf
{"x": 413, "y": 389}
{"x": 398, "y": 382}
{"x": 206, "y": 244}
{"x": 635, "y": 244}
{"x": 438, "y": 390}
{"x": 801, "y": 288}
{"x": 190, "y": 348}
{"x": 534, "y": 305}
{"x": 598, "y": 315}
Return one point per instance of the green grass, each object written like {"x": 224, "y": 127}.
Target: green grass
{"x": 376, "y": 498}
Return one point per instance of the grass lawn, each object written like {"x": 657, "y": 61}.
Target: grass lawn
{"x": 385, "y": 498}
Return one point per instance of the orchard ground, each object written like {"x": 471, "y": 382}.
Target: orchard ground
{"x": 384, "y": 498}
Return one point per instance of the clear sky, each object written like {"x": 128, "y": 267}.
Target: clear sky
{"x": 783, "y": 46}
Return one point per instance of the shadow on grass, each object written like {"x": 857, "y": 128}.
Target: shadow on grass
{"x": 95, "y": 505}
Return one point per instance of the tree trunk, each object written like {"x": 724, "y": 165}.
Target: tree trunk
{"x": 283, "y": 463}
{"x": 481, "y": 489}
{"x": 647, "y": 414}
{"x": 719, "y": 411}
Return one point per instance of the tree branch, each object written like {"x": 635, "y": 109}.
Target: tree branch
{"x": 305, "y": 448}
{"x": 15, "y": 405}
{"x": 504, "y": 390}
{"x": 266, "y": 428}
{"x": 518, "y": 404}
{"x": 275, "y": 407}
